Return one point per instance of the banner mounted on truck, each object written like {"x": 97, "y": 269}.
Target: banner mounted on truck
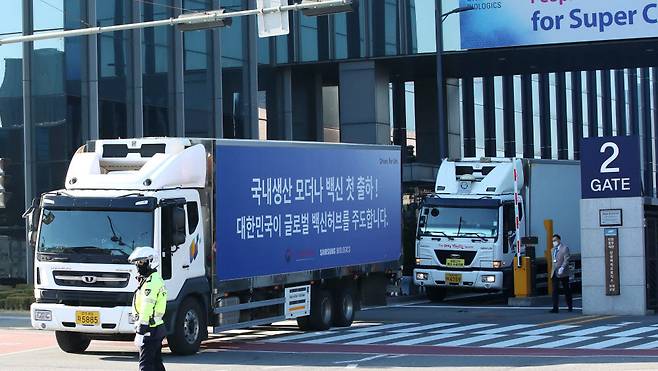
{"x": 507, "y": 23}
{"x": 291, "y": 208}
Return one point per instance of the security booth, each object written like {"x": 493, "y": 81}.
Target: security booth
{"x": 619, "y": 229}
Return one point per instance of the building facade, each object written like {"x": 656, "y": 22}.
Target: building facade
{"x": 368, "y": 76}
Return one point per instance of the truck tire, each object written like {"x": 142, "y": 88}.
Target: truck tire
{"x": 344, "y": 307}
{"x": 72, "y": 342}
{"x": 436, "y": 294}
{"x": 322, "y": 307}
{"x": 189, "y": 328}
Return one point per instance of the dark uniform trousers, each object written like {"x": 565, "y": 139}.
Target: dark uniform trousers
{"x": 150, "y": 353}
{"x": 564, "y": 281}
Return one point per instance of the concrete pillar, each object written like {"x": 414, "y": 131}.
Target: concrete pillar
{"x": 364, "y": 105}
{"x": 279, "y": 105}
{"x": 427, "y": 123}
{"x": 306, "y": 107}
{"x": 331, "y": 114}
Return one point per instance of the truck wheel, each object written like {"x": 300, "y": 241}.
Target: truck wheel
{"x": 321, "y": 310}
{"x": 344, "y": 307}
{"x": 436, "y": 294}
{"x": 72, "y": 342}
{"x": 189, "y": 328}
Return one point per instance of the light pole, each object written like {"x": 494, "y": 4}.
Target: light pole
{"x": 440, "y": 81}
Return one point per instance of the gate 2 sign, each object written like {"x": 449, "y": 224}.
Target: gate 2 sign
{"x": 610, "y": 167}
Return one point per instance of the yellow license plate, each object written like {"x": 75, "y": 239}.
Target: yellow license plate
{"x": 453, "y": 278}
{"x": 455, "y": 262}
{"x": 87, "y": 318}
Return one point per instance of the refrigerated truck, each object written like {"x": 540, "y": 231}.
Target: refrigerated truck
{"x": 466, "y": 229}
{"x": 246, "y": 233}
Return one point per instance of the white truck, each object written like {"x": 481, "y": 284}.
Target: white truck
{"x": 466, "y": 231}
{"x": 247, "y": 233}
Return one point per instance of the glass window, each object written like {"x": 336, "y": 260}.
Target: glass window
{"x": 340, "y": 36}
{"x": 198, "y": 77}
{"x": 192, "y": 217}
{"x": 308, "y": 35}
{"x": 462, "y": 222}
{"x": 114, "y": 69}
{"x": 156, "y": 66}
{"x": 107, "y": 236}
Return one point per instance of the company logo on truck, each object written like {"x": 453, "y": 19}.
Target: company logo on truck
{"x": 194, "y": 248}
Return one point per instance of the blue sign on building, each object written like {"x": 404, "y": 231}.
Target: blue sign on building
{"x": 610, "y": 167}
{"x": 299, "y": 207}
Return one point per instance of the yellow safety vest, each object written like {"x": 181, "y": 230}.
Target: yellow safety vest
{"x": 151, "y": 301}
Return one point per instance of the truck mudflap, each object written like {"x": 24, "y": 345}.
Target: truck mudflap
{"x": 488, "y": 280}
{"x": 93, "y": 320}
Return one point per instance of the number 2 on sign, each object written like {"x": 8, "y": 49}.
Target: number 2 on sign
{"x": 615, "y": 154}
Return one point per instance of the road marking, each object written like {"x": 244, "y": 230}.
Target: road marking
{"x": 589, "y": 331}
{"x": 609, "y": 343}
{"x": 503, "y": 329}
{"x": 635, "y": 331}
{"x": 567, "y": 320}
{"x": 517, "y": 341}
{"x": 464, "y": 328}
{"x": 384, "y": 327}
{"x": 403, "y": 305}
{"x": 330, "y": 339}
{"x": 426, "y": 339}
{"x": 476, "y": 307}
{"x": 595, "y": 319}
{"x": 469, "y": 340}
{"x": 565, "y": 341}
{"x": 362, "y": 359}
{"x": 379, "y": 339}
{"x": 651, "y": 345}
{"x": 546, "y": 330}
{"x": 425, "y": 327}
{"x": 300, "y": 336}
{"x": 27, "y": 351}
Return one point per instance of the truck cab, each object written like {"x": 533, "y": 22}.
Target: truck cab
{"x": 466, "y": 231}
{"x": 120, "y": 195}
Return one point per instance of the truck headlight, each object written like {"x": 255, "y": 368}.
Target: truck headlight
{"x": 497, "y": 264}
{"x": 421, "y": 276}
{"x": 418, "y": 261}
{"x": 43, "y": 315}
{"x": 489, "y": 279}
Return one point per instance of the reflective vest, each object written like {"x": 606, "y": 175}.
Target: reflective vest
{"x": 150, "y": 301}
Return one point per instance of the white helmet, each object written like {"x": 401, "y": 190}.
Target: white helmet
{"x": 143, "y": 254}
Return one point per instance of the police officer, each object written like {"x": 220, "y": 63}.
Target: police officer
{"x": 149, "y": 304}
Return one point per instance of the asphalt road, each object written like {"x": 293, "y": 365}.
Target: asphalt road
{"x": 467, "y": 333}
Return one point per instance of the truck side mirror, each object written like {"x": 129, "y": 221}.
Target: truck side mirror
{"x": 423, "y": 220}
{"x": 178, "y": 225}
{"x": 32, "y": 217}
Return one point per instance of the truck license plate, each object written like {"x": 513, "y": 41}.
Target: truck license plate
{"x": 455, "y": 262}
{"x": 87, "y": 318}
{"x": 453, "y": 278}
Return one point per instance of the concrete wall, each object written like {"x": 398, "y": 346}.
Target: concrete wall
{"x": 632, "y": 276}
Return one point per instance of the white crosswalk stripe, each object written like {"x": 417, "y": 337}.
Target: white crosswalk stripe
{"x": 380, "y": 339}
{"x": 499, "y": 330}
{"x": 425, "y": 327}
{"x": 635, "y": 331}
{"x": 384, "y": 327}
{"x": 547, "y": 330}
{"x": 347, "y": 336}
{"x": 563, "y": 342}
{"x": 590, "y": 331}
{"x": 650, "y": 345}
{"x": 609, "y": 343}
{"x": 465, "y": 328}
{"x": 516, "y": 341}
{"x": 426, "y": 339}
{"x": 469, "y": 340}
{"x": 300, "y": 336}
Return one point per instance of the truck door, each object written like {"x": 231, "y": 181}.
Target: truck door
{"x": 509, "y": 229}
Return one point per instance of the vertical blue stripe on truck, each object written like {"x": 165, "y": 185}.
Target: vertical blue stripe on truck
{"x": 278, "y": 207}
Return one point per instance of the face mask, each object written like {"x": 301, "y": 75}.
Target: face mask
{"x": 143, "y": 269}
{"x": 555, "y": 244}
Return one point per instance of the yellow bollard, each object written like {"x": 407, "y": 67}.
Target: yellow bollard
{"x": 522, "y": 284}
{"x": 548, "y": 253}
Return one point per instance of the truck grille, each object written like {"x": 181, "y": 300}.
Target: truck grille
{"x": 86, "y": 298}
{"x": 468, "y": 256}
{"x": 91, "y": 279}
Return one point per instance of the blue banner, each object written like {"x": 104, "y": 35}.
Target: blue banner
{"x": 506, "y": 23}
{"x": 297, "y": 207}
{"x": 610, "y": 167}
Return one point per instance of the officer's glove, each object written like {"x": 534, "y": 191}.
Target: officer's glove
{"x": 560, "y": 271}
{"x": 144, "y": 330}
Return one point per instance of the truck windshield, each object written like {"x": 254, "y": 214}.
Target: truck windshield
{"x": 462, "y": 222}
{"x": 93, "y": 236}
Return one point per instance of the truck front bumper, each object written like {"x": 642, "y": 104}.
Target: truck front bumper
{"x": 61, "y": 317}
{"x": 487, "y": 280}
